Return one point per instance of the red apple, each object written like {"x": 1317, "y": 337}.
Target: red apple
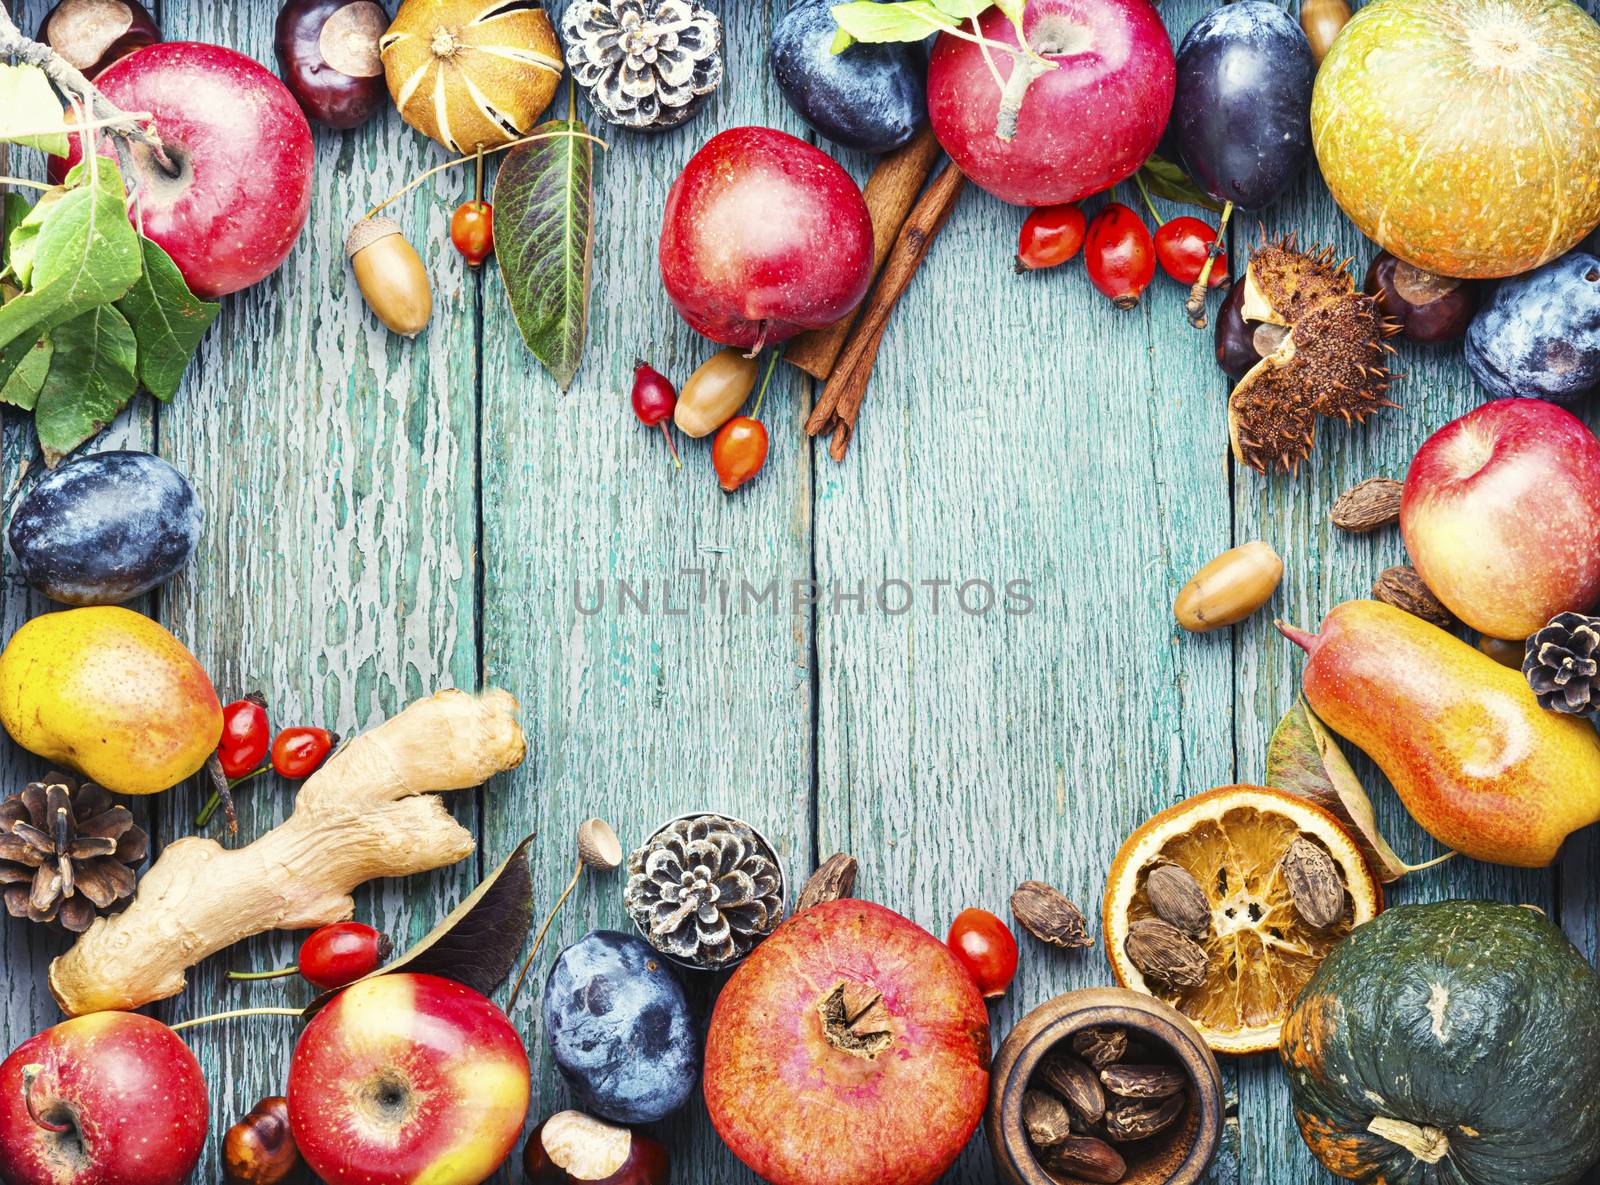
{"x": 764, "y": 236}
{"x": 125, "y": 1093}
{"x": 1079, "y": 128}
{"x": 570, "y": 1147}
{"x": 404, "y": 1079}
{"x": 240, "y": 148}
{"x": 1501, "y": 515}
{"x": 849, "y": 1047}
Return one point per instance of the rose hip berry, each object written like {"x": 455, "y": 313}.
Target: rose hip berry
{"x": 986, "y": 948}
{"x": 654, "y": 401}
{"x": 246, "y": 736}
{"x": 739, "y": 451}
{"x": 1051, "y": 235}
{"x": 1119, "y": 255}
{"x": 472, "y": 231}
{"x": 1182, "y": 245}
{"x": 342, "y": 953}
{"x": 299, "y": 751}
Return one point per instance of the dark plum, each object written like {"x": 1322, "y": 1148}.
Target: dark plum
{"x": 1539, "y": 334}
{"x": 1429, "y": 309}
{"x": 106, "y": 527}
{"x": 870, "y": 97}
{"x": 1242, "y": 116}
{"x": 619, "y": 1028}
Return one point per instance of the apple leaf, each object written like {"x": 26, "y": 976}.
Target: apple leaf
{"x": 1304, "y": 759}
{"x": 23, "y": 366}
{"x": 906, "y": 20}
{"x": 13, "y": 209}
{"x": 167, "y": 319}
{"x": 91, "y": 379}
{"x": 1166, "y": 179}
{"x": 544, "y": 240}
{"x": 23, "y": 236}
{"x": 86, "y": 254}
{"x": 29, "y": 104}
{"x": 477, "y": 944}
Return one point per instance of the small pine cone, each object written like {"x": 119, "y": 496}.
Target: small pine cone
{"x": 1561, "y": 664}
{"x": 67, "y": 853}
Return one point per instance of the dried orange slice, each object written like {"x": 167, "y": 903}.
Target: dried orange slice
{"x": 1259, "y": 950}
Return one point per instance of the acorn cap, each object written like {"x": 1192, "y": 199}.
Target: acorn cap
{"x": 367, "y": 232}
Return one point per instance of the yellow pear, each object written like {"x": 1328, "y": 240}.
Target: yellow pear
{"x": 111, "y": 694}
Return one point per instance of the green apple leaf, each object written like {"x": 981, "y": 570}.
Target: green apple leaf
{"x": 29, "y": 104}
{"x": 13, "y": 209}
{"x": 544, "y": 240}
{"x": 86, "y": 254}
{"x": 963, "y": 10}
{"x": 1166, "y": 179}
{"x": 23, "y": 366}
{"x": 23, "y": 238}
{"x": 907, "y": 20}
{"x": 167, "y": 319}
{"x": 91, "y": 379}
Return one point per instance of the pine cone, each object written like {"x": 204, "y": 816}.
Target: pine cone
{"x": 646, "y": 64}
{"x": 67, "y": 853}
{"x": 705, "y": 890}
{"x": 1560, "y": 664}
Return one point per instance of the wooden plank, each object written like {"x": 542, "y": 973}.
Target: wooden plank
{"x": 639, "y": 715}
{"x": 336, "y": 463}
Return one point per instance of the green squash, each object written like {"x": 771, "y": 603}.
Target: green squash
{"x": 1456, "y": 1043}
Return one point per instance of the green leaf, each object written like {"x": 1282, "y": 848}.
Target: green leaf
{"x": 23, "y": 366}
{"x": 87, "y": 254}
{"x": 963, "y": 10}
{"x": 28, "y": 103}
{"x": 909, "y": 20}
{"x": 544, "y": 237}
{"x": 1168, "y": 180}
{"x": 24, "y": 236}
{"x": 13, "y": 209}
{"x": 168, "y": 320}
{"x": 90, "y": 380}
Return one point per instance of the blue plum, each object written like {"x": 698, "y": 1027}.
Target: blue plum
{"x": 619, "y": 1028}
{"x": 1242, "y": 116}
{"x": 870, "y": 97}
{"x": 104, "y": 528}
{"x": 1539, "y": 334}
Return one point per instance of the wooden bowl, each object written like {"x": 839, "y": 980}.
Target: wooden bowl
{"x": 1177, "y": 1156}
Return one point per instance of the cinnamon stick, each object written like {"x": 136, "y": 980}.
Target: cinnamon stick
{"x": 841, "y": 399}
{"x": 890, "y": 193}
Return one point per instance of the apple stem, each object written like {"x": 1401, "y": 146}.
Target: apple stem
{"x": 234, "y": 1014}
{"x": 1306, "y": 642}
{"x": 1195, "y": 306}
{"x": 527, "y": 963}
{"x": 30, "y": 1075}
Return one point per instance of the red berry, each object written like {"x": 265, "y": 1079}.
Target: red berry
{"x": 654, "y": 401}
{"x": 1051, "y": 235}
{"x": 246, "y": 735}
{"x": 341, "y": 953}
{"x": 739, "y": 451}
{"x": 472, "y": 231}
{"x": 1182, "y": 245}
{"x": 1119, "y": 255}
{"x": 985, "y": 947}
{"x": 299, "y": 751}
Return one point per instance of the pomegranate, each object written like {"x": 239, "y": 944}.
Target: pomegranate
{"x": 1075, "y": 119}
{"x": 851, "y": 1046}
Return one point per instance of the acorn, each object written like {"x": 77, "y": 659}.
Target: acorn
{"x": 91, "y": 34}
{"x": 328, "y": 57}
{"x": 390, "y": 275}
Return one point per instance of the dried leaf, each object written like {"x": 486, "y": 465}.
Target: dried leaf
{"x": 1166, "y": 179}
{"x": 1304, "y": 759}
{"x": 478, "y": 943}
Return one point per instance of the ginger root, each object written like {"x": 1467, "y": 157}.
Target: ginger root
{"x": 369, "y": 812}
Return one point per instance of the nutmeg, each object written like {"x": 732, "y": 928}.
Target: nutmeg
{"x": 390, "y": 274}
{"x": 259, "y": 1149}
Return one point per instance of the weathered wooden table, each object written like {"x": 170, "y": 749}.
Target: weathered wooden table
{"x": 388, "y": 517}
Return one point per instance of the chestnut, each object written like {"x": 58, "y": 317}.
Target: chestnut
{"x": 1240, "y": 343}
{"x": 259, "y": 1149}
{"x": 570, "y": 1148}
{"x": 91, "y": 34}
{"x": 328, "y": 57}
{"x": 1430, "y": 309}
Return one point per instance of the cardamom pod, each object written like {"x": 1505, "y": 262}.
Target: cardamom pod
{"x": 1368, "y": 505}
{"x": 1101, "y": 1046}
{"x": 1164, "y": 953}
{"x": 835, "y": 879}
{"x": 1088, "y": 1159}
{"x": 1403, "y": 588}
{"x": 1178, "y": 899}
{"x": 1143, "y": 1082}
{"x": 1314, "y": 884}
{"x": 1142, "y": 1118}
{"x": 1049, "y": 915}
{"x": 1045, "y": 1118}
{"x": 1074, "y": 1081}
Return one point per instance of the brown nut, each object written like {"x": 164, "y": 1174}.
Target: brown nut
{"x": 570, "y": 1147}
{"x": 1322, "y": 20}
{"x": 715, "y": 392}
{"x": 1229, "y": 588}
{"x": 259, "y": 1150}
{"x": 1087, "y": 1159}
{"x": 390, "y": 274}
{"x": 91, "y": 34}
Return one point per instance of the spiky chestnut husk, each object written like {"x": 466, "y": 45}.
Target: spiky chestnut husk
{"x": 1331, "y": 363}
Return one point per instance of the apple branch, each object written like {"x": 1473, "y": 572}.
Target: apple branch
{"x": 371, "y": 811}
